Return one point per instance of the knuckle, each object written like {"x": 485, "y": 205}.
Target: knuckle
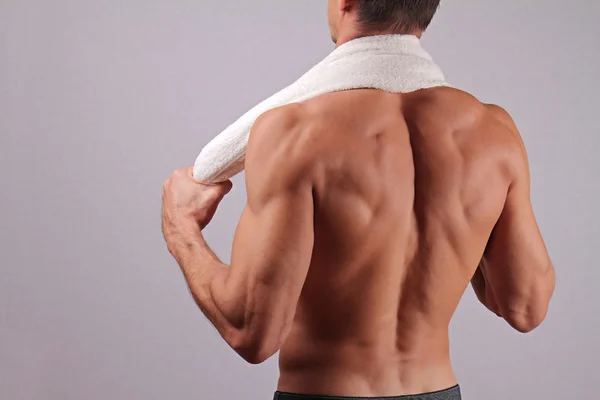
{"x": 220, "y": 191}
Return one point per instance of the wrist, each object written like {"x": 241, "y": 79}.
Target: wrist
{"x": 182, "y": 224}
{"x": 181, "y": 233}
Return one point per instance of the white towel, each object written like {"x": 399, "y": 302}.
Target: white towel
{"x": 393, "y": 63}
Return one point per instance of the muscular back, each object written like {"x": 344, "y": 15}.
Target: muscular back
{"x": 408, "y": 189}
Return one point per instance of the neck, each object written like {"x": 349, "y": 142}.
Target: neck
{"x": 349, "y": 35}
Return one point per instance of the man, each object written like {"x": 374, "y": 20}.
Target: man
{"x": 368, "y": 215}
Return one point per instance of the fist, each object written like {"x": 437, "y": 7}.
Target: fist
{"x": 186, "y": 201}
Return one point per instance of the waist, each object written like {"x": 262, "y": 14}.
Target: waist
{"x": 364, "y": 372}
{"x": 452, "y": 393}
{"x": 306, "y": 349}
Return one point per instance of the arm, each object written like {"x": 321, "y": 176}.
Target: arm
{"x": 483, "y": 291}
{"x": 516, "y": 268}
{"x": 252, "y": 303}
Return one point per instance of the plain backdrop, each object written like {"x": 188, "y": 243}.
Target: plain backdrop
{"x": 100, "y": 100}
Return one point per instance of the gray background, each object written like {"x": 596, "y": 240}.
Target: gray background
{"x": 101, "y": 100}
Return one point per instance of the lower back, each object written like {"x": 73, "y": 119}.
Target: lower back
{"x": 312, "y": 363}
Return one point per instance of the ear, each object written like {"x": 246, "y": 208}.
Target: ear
{"x": 347, "y": 5}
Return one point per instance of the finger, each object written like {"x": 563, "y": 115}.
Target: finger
{"x": 223, "y": 188}
{"x": 220, "y": 190}
{"x": 220, "y": 186}
{"x": 216, "y": 192}
{"x": 227, "y": 185}
{"x": 180, "y": 173}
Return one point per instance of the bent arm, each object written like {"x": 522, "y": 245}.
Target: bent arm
{"x": 252, "y": 303}
{"x": 483, "y": 291}
{"x": 519, "y": 276}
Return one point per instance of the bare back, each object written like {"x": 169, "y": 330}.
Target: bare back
{"x": 410, "y": 188}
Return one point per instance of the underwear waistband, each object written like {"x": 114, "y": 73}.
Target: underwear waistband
{"x": 452, "y": 393}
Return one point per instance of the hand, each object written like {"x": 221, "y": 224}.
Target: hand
{"x": 186, "y": 202}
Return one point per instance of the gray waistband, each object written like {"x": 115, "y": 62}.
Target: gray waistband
{"x": 448, "y": 394}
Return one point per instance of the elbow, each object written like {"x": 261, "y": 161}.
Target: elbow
{"x": 528, "y": 314}
{"x": 526, "y": 321}
{"x": 255, "y": 355}
{"x": 253, "y": 349}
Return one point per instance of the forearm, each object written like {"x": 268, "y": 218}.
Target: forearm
{"x": 203, "y": 272}
{"x": 483, "y": 291}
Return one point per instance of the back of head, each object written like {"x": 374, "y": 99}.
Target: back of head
{"x": 396, "y": 16}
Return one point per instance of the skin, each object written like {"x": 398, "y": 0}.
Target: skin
{"x": 368, "y": 215}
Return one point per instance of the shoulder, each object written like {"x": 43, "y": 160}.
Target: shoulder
{"x": 500, "y": 115}
{"x": 445, "y": 108}
{"x": 514, "y": 151}
{"x": 281, "y": 146}
{"x": 498, "y": 118}
{"x": 282, "y": 118}
{"x": 491, "y": 123}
